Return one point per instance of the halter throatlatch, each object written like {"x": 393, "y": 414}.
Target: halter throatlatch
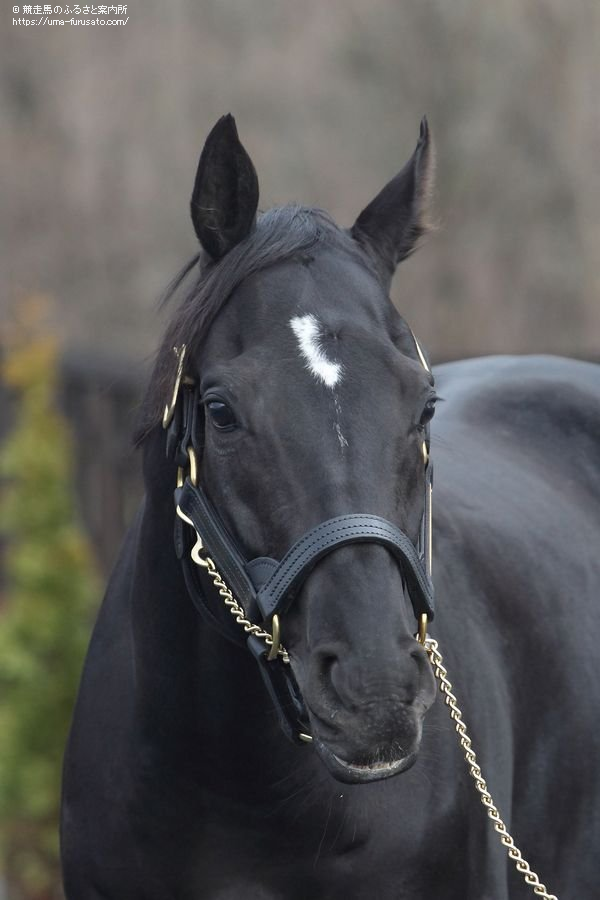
{"x": 228, "y": 590}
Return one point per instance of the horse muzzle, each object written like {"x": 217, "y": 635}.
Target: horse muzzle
{"x": 366, "y": 712}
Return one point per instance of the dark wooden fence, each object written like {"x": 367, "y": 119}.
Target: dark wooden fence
{"x": 100, "y": 397}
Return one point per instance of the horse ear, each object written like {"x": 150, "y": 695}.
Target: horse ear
{"x": 225, "y": 196}
{"x": 392, "y": 224}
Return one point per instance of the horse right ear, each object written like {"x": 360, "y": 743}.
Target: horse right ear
{"x": 391, "y": 226}
{"x": 225, "y": 196}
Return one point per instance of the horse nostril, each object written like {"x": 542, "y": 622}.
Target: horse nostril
{"x": 328, "y": 669}
{"x": 327, "y": 662}
{"x": 328, "y": 666}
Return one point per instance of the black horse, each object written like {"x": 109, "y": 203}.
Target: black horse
{"x": 300, "y": 420}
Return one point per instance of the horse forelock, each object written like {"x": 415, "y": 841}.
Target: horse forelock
{"x": 203, "y": 288}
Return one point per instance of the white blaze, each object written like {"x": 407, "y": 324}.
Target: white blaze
{"x": 308, "y": 334}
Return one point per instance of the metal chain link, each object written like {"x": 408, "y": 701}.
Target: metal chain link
{"x": 231, "y": 603}
{"x": 514, "y": 853}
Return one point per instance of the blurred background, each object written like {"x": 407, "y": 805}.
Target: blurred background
{"x": 101, "y": 131}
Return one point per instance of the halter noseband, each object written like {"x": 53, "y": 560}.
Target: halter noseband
{"x": 264, "y": 588}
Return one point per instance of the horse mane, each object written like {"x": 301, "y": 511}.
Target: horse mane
{"x": 279, "y": 234}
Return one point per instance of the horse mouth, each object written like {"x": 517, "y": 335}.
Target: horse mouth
{"x": 359, "y": 773}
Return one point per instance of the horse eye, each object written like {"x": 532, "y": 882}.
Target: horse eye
{"x": 221, "y": 415}
{"x": 427, "y": 414}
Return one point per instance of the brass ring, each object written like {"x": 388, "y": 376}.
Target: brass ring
{"x": 422, "y": 633}
{"x": 275, "y": 637}
{"x": 193, "y": 465}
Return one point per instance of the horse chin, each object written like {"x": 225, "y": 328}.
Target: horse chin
{"x": 360, "y": 773}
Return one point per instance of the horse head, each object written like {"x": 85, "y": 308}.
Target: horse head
{"x": 314, "y": 404}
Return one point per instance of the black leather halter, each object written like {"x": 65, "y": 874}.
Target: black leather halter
{"x": 266, "y": 587}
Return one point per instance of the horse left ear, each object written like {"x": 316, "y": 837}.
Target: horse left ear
{"x": 225, "y": 196}
{"x": 392, "y": 224}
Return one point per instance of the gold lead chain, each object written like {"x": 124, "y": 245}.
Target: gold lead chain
{"x": 441, "y": 673}
{"x": 234, "y": 607}
{"x": 514, "y": 853}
